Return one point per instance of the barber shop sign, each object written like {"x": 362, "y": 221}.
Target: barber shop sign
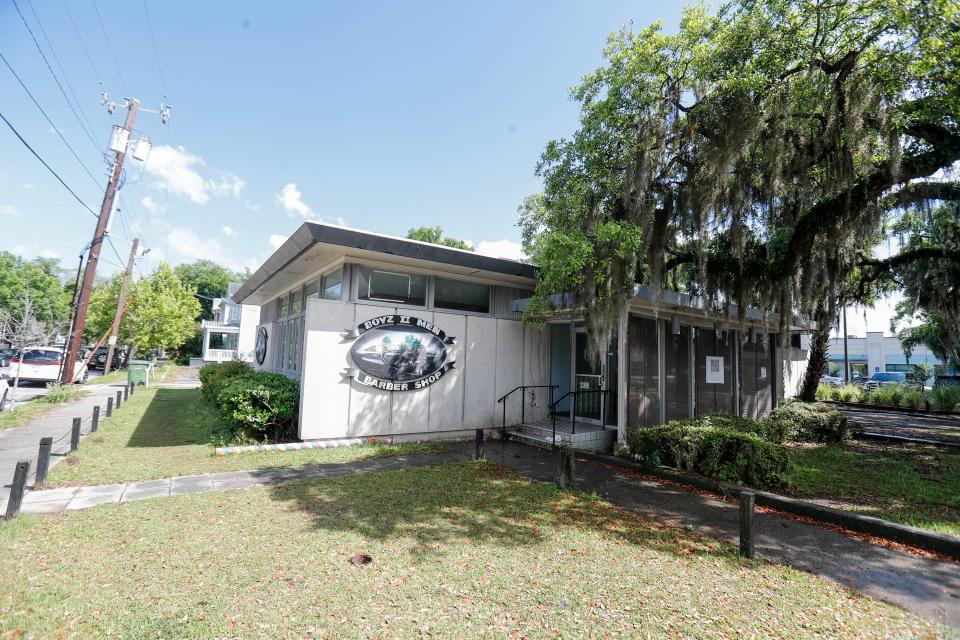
{"x": 398, "y": 353}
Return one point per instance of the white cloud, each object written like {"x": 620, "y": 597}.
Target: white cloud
{"x": 184, "y": 242}
{"x": 501, "y": 249}
{"x": 177, "y": 171}
{"x": 277, "y": 240}
{"x": 291, "y": 200}
{"x": 8, "y": 210}
{"x": 49, "y": 253}
{"x": 27, "y": 185}
{"x": 228, "y": 231}
{"x": 152, "y": 206}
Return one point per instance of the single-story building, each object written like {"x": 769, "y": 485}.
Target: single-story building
{"x": 401, "y": 339}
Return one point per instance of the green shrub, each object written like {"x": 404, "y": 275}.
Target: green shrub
{"x": 723, "y": 452}
{"x": 913, "y": 398}
{"x": 945, "y": 398}
{"x": 260, "y": 405}
{"x": 824, "y": 391}
{"x": 213, "y": 377}
{"x": 848, "y": 393}
{"x": 807, "y": 422}
{"x": 58, "y": 393}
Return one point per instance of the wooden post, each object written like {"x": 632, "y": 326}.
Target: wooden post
{"x": 16, "y": 489}
{"x": 747, "y": 501}
{"x": 43, "y": 460}
{"x": 75, "y": 435}
{"x": 565, "y": 468}
{"x": 479, "y": 453}
{"x": 119, "y": 397}
{"x": 109, "y": 406}
{"x": 95, "y": 419}
{"x": 126, "y": 392}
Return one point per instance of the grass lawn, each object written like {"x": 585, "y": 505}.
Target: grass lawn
{"x": 167, "y": 432}
{"x": 913, "y": 484}
{"x": 459, "y": 551}
{"x": 163, "y": 372}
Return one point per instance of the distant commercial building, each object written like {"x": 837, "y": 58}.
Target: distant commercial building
{"x": 876, "y": 353}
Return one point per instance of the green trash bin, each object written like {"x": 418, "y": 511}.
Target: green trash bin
{"x": 138, "y": 372}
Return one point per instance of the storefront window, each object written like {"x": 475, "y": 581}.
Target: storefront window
{"x": 313, "y": 289}
{"x": 461, "y": 296}
{"x": 392, "y": 286}
{"x": 296, "y": 303}
{"x": 282, "y": 307}
{"x": 333, "y": 284}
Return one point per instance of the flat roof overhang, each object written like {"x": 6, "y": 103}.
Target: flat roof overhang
{"x": 691, "y": 309}
{"x": 315, "y": 244}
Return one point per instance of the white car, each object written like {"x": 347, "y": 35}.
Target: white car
{"x": 42, "y": 364}
{"x": 4, "y": 391}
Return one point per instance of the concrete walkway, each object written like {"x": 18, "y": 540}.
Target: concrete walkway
{"x": 926, "y": 587}
{"x": 70, "y": 498}
{"x": 23, "y": 443}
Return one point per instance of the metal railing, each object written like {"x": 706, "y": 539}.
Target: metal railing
{"x": 523, "y": 403}
{"x": 573, "y": 408}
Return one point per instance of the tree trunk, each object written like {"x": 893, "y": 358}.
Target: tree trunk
{"x": 818, "y": 356}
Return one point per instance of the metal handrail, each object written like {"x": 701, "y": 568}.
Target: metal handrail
{"x": 523, "y": 405}
{"x": 573, "y": 410}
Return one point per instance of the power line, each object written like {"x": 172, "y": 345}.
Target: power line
{"x": 156, "y": 53}
{"x": 106, "y": 38}
{"x": 76, "y": 30}
{"x": 56, "y": 129}
{"x": 55, "y": 79}
{"x": 44, "y": 162}
{"x": 56, "y": 59}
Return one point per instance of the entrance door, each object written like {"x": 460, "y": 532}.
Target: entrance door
{"x": 587, "y": 377}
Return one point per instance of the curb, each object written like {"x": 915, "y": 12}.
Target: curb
{"x": 293, "y": 446}
{"x": 869, "y": 435}
{"x": 937, "y": 542}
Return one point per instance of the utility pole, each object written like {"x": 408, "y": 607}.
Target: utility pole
{"x": 846, "y": 350}
{"x": 99, "y": 235}
{"x": 121, "y": 302}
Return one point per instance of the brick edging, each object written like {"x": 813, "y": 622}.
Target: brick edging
{"x": 931, "y": 541}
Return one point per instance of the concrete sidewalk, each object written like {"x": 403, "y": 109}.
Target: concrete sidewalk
{"x": 23, "y": 443}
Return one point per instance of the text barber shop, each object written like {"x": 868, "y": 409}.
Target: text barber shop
{"x": 405, "y": 340}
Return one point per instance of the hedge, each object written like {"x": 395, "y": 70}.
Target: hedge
{"x": 213, "y": 377}
{"x": 260, "y": 405}
{"x": 808, "y": 422}
{"x": 717, "y": 451}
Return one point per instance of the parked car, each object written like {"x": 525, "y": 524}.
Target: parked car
{"x": 5, "y": 356}
{"x": 834, "y": 381}
{"x": 99, "y": 360}
{"x": 884, "y": 378}
{"x": 42, "y": 364}
{"x": 4, "y": 391}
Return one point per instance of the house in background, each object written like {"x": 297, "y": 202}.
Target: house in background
{"x": 232, "y": 332}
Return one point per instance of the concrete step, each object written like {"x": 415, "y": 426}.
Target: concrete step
{"x": 534, "y": 440}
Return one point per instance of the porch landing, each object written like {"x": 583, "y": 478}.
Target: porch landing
{"x": 583, "y": 435}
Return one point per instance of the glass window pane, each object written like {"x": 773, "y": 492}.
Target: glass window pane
{"x": 313, "y": 289}
{"x": 333, "y": 284}
{"x": 464, "y": 296}
{"x": 392, "y": 286}
{"x": 282, "y": 307}
{"x": 296, "y": 303}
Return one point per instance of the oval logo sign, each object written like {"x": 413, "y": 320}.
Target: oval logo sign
{"x": 398, "y": 353}
{"x": 260, "y": 349}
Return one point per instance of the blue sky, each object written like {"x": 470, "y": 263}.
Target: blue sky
{"x": 381, "y": 116}
{"x": 384, "y": 116}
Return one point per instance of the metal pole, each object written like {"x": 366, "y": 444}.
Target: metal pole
{"x": 119, "y": 398}
{"x": 523, "y": 405}
{"x": 846, "y": 353}
{"x": 109, "y": 406}
{"x": 573, "y": 414}
{"x": 479, "y": 451}
{"x": 95, "y": 419}
{"x": 99, "y": 235}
